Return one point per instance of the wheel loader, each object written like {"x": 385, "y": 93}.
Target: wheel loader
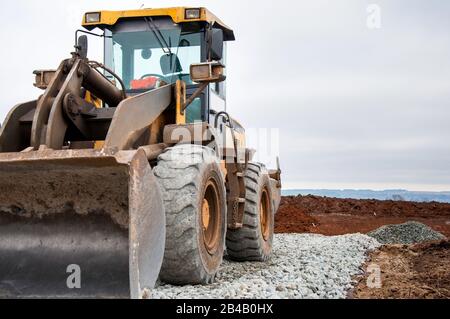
{"x": 129, "y": 172}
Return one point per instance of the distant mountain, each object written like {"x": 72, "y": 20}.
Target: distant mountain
{"x": 392, "y": 194}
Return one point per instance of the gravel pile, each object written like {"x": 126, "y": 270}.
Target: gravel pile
{"x": 303, "y": 266}
{"x": 406, "y": 234}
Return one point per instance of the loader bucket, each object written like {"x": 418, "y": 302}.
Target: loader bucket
{"x": 79, "y": 224}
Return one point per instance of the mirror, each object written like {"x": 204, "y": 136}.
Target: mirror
{"x": 82, "y": 46}
{"x": 146, "y": 54}
{"x": 215, "y": 41}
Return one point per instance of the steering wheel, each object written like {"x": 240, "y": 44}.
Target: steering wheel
{"x": 162, "y": 77}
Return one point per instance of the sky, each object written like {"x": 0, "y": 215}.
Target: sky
{"x": 349, "y": 94}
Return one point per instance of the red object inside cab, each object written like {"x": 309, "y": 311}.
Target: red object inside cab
{"x": 143, "y": 84}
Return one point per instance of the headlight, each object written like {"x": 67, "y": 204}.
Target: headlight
{"x": 192, "y": 14}
{"x": 92, "y": 17}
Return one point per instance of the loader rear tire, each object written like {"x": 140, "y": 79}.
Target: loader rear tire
{"x": 253, "y": 242}
{"x": 194, "y": 194}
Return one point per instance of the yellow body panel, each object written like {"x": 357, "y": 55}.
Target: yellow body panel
{"x": 177, "y": 14}
{"x": 98, "y": 104}
{"x": 94, "y": 100}
{"x": 180, "y": 93}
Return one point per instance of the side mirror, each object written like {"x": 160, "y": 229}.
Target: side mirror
{"x": 82, "y": 46}
{"x": 215, "y": 41}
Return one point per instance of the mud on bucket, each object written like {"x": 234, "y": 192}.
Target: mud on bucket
{"x": 79, "y": 224}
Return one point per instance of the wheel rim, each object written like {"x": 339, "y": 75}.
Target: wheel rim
{"x": 211, "y": 217}
{"x": 264, "y": 212}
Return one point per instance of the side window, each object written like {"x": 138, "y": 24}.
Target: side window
{"x": 117, "y": 59}
{"x": 217, "y": 93}
{"x": 216, "y": 102}
{"x": 194, "y": 111}
{"x": 220, "y": 88}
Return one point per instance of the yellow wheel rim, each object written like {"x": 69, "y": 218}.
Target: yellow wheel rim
{"x": 211, "y": 217}
{"x": 264, "y": 213}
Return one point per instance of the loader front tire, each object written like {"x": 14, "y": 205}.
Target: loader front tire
{"x": 253, "y": 242}
{"x": 194, "y": 196}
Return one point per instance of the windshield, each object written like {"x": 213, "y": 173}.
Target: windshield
{"x": 146, "y": 59}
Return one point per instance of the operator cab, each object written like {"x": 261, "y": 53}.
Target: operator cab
{"x": 155, "y": 47}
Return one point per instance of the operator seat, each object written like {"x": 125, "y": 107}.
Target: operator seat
{"x": 170, "y": 64}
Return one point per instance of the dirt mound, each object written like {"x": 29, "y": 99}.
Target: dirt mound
{"x": 331, "y": 216}
{"x": 409, "y": 272}
{"x": 408, "y": 233}
{"x": 326, "y": 205}
{"x": 292, "y": 218}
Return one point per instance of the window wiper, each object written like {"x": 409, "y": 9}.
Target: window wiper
{"x": 158, "y": 35}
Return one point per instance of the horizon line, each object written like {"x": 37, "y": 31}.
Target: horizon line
{"x": 365, "y": 189}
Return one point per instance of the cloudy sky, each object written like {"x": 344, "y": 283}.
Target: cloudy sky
{"x": 359, "y": 94}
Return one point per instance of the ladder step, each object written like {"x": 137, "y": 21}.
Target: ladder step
{"x": 237, "y": 200}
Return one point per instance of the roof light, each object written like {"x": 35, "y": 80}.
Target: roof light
{"x": 191, "y": 14}
{"x": 92, "y": 17}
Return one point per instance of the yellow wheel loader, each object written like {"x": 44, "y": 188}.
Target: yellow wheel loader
{"x": 130, "y": 171}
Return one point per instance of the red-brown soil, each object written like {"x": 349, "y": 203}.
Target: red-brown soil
{"x": 331, "y": 216}
{"x": 420, "y": 271}
{"x": 409, "y": 272}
